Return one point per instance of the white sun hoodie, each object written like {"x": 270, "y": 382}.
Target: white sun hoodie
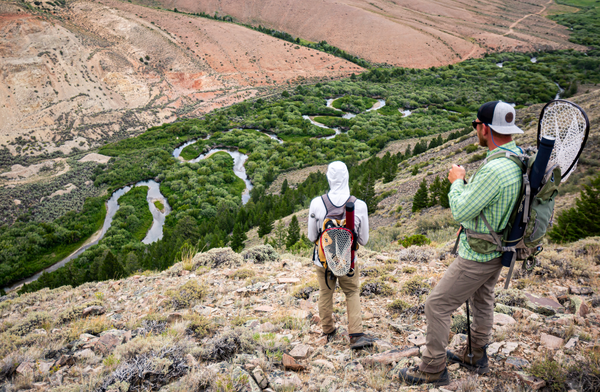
{"x": 339, "y": 192}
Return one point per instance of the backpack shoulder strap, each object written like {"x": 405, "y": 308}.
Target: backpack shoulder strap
{"x": 352, "y": 199}
{"x": 504, "y": 154}
{"x": 328, "y": 204}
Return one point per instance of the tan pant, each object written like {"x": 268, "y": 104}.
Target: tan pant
{"x": 351, "y": 288}
{"x": 464, "y": 279}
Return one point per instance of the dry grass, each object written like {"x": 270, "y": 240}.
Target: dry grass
{"x": 91, "y": 325}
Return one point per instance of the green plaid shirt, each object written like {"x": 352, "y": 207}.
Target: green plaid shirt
{"x": 494, "y": 190}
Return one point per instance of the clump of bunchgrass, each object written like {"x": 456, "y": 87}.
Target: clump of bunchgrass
{"x": 186, "y": 295}
{"x": 75, "y": 312}
{"x": 398, "y": 306}
{"x": 243, "y": 273}
{"x": 199, "y": 326}
{"x": 33, "y": 321}
{"x": 459, "y": 324}
{"x": 550, "y": 371}
{"x": 416, "y": 286}
{"x": 92, "y": 325}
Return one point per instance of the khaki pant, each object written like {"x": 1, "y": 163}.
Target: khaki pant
{"x": 464, "y": 279}
{"x": 351, "y": 288}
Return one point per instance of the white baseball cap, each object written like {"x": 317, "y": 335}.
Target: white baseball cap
{"x": 499, "y": 116}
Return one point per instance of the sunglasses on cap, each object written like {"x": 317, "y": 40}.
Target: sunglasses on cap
{"x": 475, "y": 123}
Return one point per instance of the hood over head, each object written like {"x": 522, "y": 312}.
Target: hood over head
{"x": 337, "y": 175}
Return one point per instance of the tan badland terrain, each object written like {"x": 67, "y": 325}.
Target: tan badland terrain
{"x": 73, "y": 77}
{"x": 406, "y": 33}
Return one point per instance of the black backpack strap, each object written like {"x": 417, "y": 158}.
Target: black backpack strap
{"x": 455, "y": 249}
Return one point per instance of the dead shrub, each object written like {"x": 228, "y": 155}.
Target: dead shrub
{"x": 304, "y": 291}
{"x": 227, "y": 345}
{"x": 375, "y": 287}
{"x": 148, "y": 371}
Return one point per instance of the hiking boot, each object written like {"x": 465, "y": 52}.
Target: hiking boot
{"x": 414, "y": 376}
{"x": 330, "y": 335}
{"x": 362, "y": 341}
{"x": 479, "y": 362}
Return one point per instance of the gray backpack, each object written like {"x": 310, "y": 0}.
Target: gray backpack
{"x": 538, "y": 213}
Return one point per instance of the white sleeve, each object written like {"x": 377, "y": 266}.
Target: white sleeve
{"x": 361, "y": 215}
{"x": 314, "y": 217}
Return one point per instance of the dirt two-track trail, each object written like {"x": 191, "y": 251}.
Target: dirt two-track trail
{"x": 512, "y": 26}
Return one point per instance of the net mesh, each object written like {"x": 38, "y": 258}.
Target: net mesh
{"x": 567, "y": 125}
{"x": 336, "y": 244}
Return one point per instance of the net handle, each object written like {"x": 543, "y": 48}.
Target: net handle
{"x": 350, "y": 226}
{"x": 585, "y": 137}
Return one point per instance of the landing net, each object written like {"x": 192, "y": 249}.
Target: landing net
{"x": 336, "y": 244}
{"x": 567, "y": 123}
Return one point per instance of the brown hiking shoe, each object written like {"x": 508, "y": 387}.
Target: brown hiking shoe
{"x": 362, "y": 341}
{"x": 414, "y": 376}
{"x": 479, "y": 362}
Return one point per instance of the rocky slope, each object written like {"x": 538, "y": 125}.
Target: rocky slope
{"x": 401, "y": 32}
{"x": 225, "y": 321}
{"x": 82, "y": 73}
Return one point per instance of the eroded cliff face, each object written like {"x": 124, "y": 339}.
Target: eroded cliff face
{"x": 87, "y": 73}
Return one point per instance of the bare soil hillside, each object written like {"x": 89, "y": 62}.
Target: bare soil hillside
{"x": 400, "y": 32}
{"x": 82, "y": 74}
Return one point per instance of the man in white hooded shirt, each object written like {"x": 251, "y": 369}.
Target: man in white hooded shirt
{"x": 338, "y": 195}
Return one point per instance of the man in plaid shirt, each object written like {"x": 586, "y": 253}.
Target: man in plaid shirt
{"x": 493, "y": 190}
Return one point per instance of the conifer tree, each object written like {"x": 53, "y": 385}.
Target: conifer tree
{"x": 421, "y": 198}
{"x": 279, "y": 241}
{"x": 266, "y": 225}
{"x": 435, "y": 192}
{"x": 284, "y": 187}
{"x": 390, "y": 171}
{"x": 293, "y": 234}
{"x": 239, "y": 236}
{"x": 443, "y": 197}
{"x": 583, "y": 220}
{"x": 407, "y": 153}
{"x": 110, "y": 267}
{"x": 366, "y": 192}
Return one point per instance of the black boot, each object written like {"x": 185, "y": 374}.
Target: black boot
{"x": 479, "y": 362}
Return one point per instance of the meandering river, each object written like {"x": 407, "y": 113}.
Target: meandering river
{"x": 112, "y": 206}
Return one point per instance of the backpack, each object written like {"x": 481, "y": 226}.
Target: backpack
{"x": 538, "y": 212}
{"x": 335, "y": 217}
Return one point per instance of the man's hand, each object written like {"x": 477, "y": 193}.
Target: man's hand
{"x": 456, "y": 173}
